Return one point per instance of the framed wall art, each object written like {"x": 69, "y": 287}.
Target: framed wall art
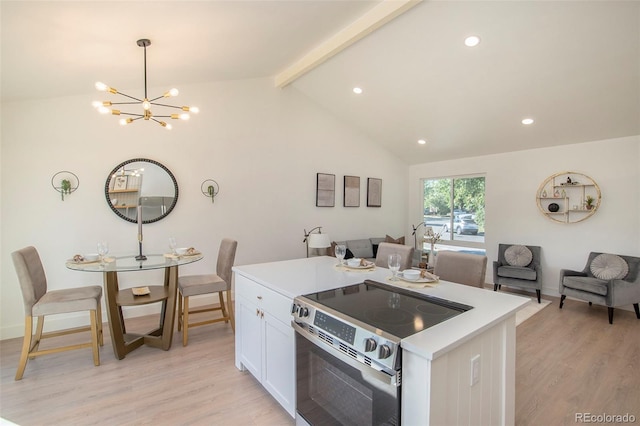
{"x": 120, "y": 183}
{"x": 374, "y": 192}
{"x": 352, "y": 191}
{"x": 325, "y": 190}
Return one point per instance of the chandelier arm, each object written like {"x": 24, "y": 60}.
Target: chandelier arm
{"x": 125, "y": 103}
{"x": 165, "y": 105}
{"x": 130, "y": 97}
{"x": 155, "y": 99}
{"x": 130, "y": 113}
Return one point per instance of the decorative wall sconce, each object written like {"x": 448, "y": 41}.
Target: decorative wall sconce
{"x": 210, "y": 188}
{"x": 318, "y": 240}
{"x": 65, "y": 183}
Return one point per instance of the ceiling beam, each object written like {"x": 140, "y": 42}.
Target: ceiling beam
{"x": 363, "y": 26}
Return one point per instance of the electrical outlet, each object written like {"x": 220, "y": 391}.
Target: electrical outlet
{"x": 475, "y": 370}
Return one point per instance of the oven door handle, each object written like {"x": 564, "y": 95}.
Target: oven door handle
{"x": 367, "y": 372}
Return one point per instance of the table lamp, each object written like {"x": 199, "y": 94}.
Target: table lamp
{"x": 317, "y": 240}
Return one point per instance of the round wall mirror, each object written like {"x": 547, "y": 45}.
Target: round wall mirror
{"x": 141, "y": 182}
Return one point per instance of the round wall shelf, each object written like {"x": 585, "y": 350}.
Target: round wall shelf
{"x": 568, "y": 197}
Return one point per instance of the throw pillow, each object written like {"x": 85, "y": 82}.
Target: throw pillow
{"x": 609, "y": 267}
{"x": 518, "y": 255}
{"x": 392, "y": 240}
{"x": 349, "y": 254}
{"x": 331, "y": 251}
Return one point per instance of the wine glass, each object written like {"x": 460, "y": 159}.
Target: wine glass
{"x": 394, "y": 265}
{"x": 103, "y": 249}
{"x": 341, "y": 251}
{"x": 172, "y": 245}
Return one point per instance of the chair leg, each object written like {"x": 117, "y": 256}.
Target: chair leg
{"x": 562, "y": 300}
{"x": 180, "y": 301}
{"x": 99, "y": 319}
{"x": 35, "y": 341}
{"x": 26, "y": 345}
{"x": 185, "y": 322}
{"x": 93, "y": 315}
{"x": 538, "y": 294}
{"x": 637, "y": 309}
{"x": 222, "y": 308}
{"x": 610, "y": 309}
{"x": 232, "y": 314}
{"x": 495, "y": 287}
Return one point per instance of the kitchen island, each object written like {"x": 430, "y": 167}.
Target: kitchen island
{"x": 461, "y": 371}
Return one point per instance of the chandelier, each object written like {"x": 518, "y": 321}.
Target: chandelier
{"x": 106, "y": 107}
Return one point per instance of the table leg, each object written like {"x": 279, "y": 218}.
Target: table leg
{"x": 169, "y": 306}
{"x": 114, "y": 313}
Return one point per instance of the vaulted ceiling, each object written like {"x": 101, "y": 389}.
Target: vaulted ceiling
{"x": 572, "y": 66}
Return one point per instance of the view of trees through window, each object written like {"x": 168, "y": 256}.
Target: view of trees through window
{"x": 454, "y": 207}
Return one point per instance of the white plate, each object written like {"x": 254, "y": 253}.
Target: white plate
{"x": 419, "y": 280}
{"x": 368, "y": 266}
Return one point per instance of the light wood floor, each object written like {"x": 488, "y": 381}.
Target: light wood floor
{"x": 569, "y": 361}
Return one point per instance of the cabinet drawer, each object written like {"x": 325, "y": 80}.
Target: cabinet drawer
{"x": 277, "y": 305}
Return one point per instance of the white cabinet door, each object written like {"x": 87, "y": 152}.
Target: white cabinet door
{"x": 279, "y": 362}
{"x": 265, "y": 341}
{"x": 249, "y": 336}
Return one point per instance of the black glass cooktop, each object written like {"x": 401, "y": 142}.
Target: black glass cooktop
{"x": 395, "y": 310}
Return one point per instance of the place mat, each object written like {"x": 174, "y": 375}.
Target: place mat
{"x": 412, "y": 284}
{"x": 180, "y": 256}
{"x": 427, "y": 278}
{"x": 88, "y": 262}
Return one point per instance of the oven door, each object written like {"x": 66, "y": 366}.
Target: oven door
{"x": 334, "y": 389}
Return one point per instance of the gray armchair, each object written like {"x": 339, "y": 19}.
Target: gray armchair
{"x": 607, "y": 292}
{"x": 512, "y": 274}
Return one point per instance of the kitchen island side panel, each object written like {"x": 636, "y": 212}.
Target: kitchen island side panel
{"x": 440, "y": 391}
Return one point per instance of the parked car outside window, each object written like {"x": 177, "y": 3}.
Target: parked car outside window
{"x": 463, "y": 224}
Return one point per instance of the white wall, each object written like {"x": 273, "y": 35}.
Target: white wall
{"x": 512, "y": 216}
{"x": 263, "y": 146}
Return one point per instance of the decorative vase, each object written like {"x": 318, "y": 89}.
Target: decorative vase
{"x": 544, "y": 193}
{"x": 432, "y": 256}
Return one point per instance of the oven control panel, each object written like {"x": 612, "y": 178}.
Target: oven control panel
{"x": 369, "y": 345}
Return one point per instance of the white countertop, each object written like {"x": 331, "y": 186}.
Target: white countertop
{"x": 296, "y": 277}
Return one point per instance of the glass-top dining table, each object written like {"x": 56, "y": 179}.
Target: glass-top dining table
{"x": 161, "y": 337}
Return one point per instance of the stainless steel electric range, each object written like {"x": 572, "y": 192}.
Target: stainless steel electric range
{"x": 348, "y": 354}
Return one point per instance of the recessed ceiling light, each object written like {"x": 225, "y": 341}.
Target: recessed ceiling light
{"x": 527, "y": 121}
{"x": 422, "y": 141}
{"x": 471, "y": 41}
{"x": 357, "y": 90}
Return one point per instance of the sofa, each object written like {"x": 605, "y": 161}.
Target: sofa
{"x": 367, "y": 248}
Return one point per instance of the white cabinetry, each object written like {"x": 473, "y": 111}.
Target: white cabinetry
{"x": 265, "y": 341}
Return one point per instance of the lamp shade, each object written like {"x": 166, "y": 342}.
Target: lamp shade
{"x": 319, "y": 241}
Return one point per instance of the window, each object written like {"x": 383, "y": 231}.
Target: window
{"x": 454, "y": 207}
